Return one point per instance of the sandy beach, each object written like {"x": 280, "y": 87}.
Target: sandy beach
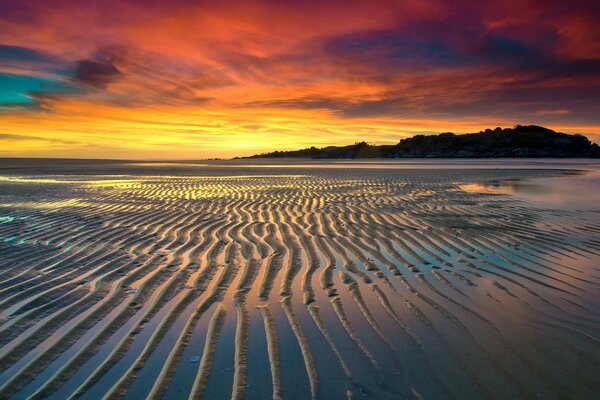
{"x": 299, "y": 280}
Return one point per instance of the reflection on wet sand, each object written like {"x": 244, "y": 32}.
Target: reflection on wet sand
{"x": 572, "y": 189}
{"x": 299, "y": 283}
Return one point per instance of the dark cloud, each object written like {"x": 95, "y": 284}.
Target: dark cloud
{"x": 421, "y": 45}
{"x": 18, "y": 53}
{"x": 96, "y": 73}
{"x": 539, "y": 58}
{"x": 455, "y": 44}
{"x": 499, "y": 48}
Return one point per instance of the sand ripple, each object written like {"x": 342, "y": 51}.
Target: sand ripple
{"x": 313, "y": 284}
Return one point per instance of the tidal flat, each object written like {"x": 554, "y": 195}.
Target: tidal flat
{"x": 416, "y": 279}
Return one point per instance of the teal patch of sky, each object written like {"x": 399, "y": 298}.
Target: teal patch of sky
{"x": 16, "y": 89}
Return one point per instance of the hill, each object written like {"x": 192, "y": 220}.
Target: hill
{"x": 518, "y": 142}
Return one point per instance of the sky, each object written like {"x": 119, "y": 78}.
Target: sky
{"x": 181, "y": 79}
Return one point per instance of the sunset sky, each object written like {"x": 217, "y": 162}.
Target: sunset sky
{"x": 194, "y": 79}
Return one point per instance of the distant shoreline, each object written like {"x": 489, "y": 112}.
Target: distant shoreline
{"x": 241, "y": 160}
{"x": 528, "y": 141}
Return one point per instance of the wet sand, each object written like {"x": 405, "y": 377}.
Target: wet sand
{"x": 299, "y": 279}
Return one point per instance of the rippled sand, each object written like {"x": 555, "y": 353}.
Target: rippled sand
{"x": 230, "y": 281}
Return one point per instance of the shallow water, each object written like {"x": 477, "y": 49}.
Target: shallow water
{"x": 578, "y": 190}
{"x": 338, "y": 279}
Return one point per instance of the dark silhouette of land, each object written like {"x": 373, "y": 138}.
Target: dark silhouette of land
{"x": 518, "y": 142}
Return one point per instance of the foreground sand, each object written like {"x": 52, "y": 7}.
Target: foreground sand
{"x": 294, "y": 283}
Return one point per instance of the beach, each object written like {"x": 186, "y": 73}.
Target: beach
{"x": 417, "y": 279}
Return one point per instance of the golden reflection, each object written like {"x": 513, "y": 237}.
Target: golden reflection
{"x": 504, "y": 188}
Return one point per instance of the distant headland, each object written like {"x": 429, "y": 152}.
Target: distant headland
{"x": 522, "y": 141}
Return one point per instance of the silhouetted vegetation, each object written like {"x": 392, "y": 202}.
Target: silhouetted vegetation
{"x": 520, "y": 141}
